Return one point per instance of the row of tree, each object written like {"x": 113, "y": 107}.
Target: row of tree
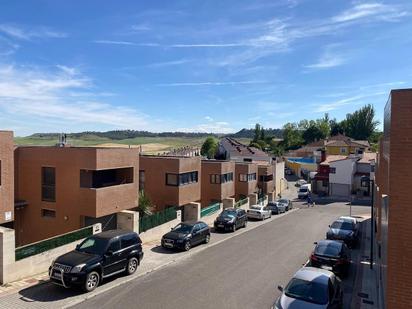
{"x": 359, "y": 125}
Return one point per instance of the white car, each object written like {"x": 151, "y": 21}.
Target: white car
{"x": 300, "y": 182}
{"x": 311, "y": 288}
{"x": 259, "y": 212}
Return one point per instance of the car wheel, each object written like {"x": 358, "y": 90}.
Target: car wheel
{"x": 92, "y": 281}
{"x": 207, "y": 239}
{"x": 187, "y": 245}
{"x": 132, "y": 265}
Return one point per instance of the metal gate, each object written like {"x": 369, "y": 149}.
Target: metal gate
{"x": 108, "y": 222}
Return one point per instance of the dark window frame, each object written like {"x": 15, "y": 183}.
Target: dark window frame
{"x": 48, "y": 213}
{"x": 183, "y": 179}
{"x": 332, "y": 170}
{"x": 48, "y": 186}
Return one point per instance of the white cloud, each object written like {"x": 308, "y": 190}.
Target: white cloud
{"x": 210, "y": 127}
{"x": 46, "y": 96}
{"x": 369, "y": 10}
{"x": 169, "y": 63}
{"x": 21, "y": 33}
{"x": 208, "y": 118}
{"x": 329, "y": 59}
{"x": 357, "y": 99}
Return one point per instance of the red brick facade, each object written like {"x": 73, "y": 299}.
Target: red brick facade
{"x": 393, "y": 208}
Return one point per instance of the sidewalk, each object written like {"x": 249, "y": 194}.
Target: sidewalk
{"x": 365, "y": 292}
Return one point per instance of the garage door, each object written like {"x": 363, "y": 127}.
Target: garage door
{"x": 338, "y": 189}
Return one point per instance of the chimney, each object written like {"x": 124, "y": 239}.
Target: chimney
{"x": 322, "y": 155}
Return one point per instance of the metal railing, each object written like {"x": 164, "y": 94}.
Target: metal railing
{"x": 261, "y": 201}
{"x": 241, "y": 202}
{"x": 211, "y": 209}
{"x": 51, "y": 243}
{"x": 156, "y": 219}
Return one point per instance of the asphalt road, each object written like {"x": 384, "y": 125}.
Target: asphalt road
{"x": 241, "y": 272}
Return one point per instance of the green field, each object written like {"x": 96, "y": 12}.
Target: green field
{"x": 151, "y": 144}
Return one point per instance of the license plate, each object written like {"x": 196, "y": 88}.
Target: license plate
{"x": 169, "y": 245}
{"x": 57, "y": 274}
{"x": 220, "y": 225}
{"x": 326, "y": 267}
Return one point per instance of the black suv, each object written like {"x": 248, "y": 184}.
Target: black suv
{"x": 98, "y": 257}
{"x": 186, "y": 235}
{"x": 231, "y": 219}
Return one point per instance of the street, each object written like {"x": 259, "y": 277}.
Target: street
{"x": 241, "y": 272}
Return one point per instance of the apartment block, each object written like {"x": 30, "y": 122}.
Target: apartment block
{"x": 245, "y": 179}
{"x": 170, "y": 181}
{"x": 61, "y": 189}
{"x": 6, "y": 177}
{"x": 218, "y": 181}
{"x": 392, "y": 203}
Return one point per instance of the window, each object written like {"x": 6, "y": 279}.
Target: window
{"x": 266, "y": 178}
{"x": 141, "y": 180}
{"x": 247, "y": 177}
{"x": 129, "y": 240}
{"x": 217, "y": 179}
{"x": 48, "y": 184}
{"x": 106, "y": 178}
{"x": 181, "y": 179}
{"x": 343, "y": 150}
{"x": 324, "y": 183}
{"x": 114, "y": 246}
{"x": 332, "y": 170}
{"x": 48, "y": 213}
{"x": 372, "y": 169}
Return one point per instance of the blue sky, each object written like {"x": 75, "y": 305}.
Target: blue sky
{"x": 208, "y": 66}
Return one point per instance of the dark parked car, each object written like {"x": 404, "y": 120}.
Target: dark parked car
{"x": 231, "y": 219}
{"x": 331, "y": 255}
{"x": 276, "y": 208}
{"x": 98, "y": 257}
{"x": 342, "y": 230}
{"x": 288, "y": 203}
{"x": 311, "y": 288}
{"x": 186, "y": 235}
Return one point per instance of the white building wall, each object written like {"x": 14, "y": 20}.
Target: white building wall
{"x": 344, "y": 171}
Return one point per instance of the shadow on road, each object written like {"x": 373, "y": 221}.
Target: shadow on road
{"x": 46, "y": 292}
{"x": 160, "y": 249}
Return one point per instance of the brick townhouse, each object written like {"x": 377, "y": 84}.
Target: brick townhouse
{"x": 6, "y": 178}
{"x": 61, "y": 189}
{"x": 393, "y": 209}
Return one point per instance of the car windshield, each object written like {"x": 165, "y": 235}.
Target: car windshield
{"x": 303, "y": 190}
{"x": 93, "y": 245}
{"x": 342, "y": 225}
{"x": 313, "y": 292}
{"x": 229, "y": 213}
{"x": 283, "y": 201}
{"x": 183, "y": 228}
{"x": 330, "y": 249}
{"x": 256, "y": 207}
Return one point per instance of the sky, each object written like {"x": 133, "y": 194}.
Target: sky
{"x": 203, "y": 66}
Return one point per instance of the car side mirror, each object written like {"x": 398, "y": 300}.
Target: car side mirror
{"x": 329, "y": 225}
{"x": 315, "y": 243}
{"x": 280, "y": 288}
{"x": 77, "y": 247}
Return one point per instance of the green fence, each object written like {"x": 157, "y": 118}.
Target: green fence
{"x": 211, "y": 209}
{"x": 241, "y": 202}
{"x": 158, "y": 218}
{"x": 51, "y": 243}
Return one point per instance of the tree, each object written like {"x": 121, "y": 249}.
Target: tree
{"x": 292, "y": 136}
{"x": 313, "y": 133}
{"x": 361, "y": 124}
{"x": 210, "y": 147}
{"x": 256, "y": 145}
{"x": 257, "y": 134}
{"x": 336, "y": 127}
{"x": 262, "y": 134}
{"x": 145, "y": 205}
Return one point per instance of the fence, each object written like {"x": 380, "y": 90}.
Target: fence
{"x": 158, "y": 218}
{"x": 211, "y": 209}
{"x": 240, "y": 203}
{"x": 51, "y": 243}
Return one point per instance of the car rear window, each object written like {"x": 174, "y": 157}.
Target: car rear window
{"x": 129, "y": 240}
{"x": 342, "y": 225}
{"x": 330, "y": 249}
{"x": 303, "y": 190}
{"x": 310, "y": 291}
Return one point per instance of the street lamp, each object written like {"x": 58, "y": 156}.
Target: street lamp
{"x": 366, "y": 182}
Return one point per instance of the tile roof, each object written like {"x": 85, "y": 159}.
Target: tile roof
{"x": 333, "y": 158}
{"x": 233, "y": 146}
{"x": 368, "y": 157}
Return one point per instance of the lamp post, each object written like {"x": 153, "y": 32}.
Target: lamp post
{"x": 367, "y": 182}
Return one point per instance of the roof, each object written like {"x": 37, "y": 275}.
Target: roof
{"x": 313, "y": 274}
{"x": 367, "y": 157}
{"x": 342, "y": 140}
{"x": 333, "y": 158}
{"x": 112, "y": 233}
{"x": 236, "y": 148}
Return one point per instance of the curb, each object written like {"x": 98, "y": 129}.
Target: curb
{"x": 190, "y": 254}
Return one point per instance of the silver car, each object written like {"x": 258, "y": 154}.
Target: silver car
{"x": 311, "y": 288}
{"x": 259, "y": 212}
